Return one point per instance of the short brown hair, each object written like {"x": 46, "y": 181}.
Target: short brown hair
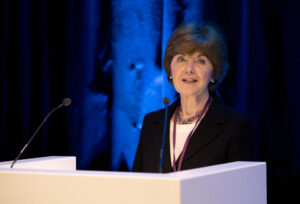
{"x": 207, "y": 39}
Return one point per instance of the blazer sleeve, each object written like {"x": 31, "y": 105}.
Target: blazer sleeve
{"x": 242, "y": 145}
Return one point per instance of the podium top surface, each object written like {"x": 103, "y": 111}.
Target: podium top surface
{"x": 67, "y": 165}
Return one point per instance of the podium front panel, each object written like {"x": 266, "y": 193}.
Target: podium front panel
{"x": 232, "y": 183}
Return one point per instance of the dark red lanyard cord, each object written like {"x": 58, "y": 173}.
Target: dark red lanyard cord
{"x": 189, "y": 136}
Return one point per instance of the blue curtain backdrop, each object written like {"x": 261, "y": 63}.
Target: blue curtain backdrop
{"x": 107, "y": 57}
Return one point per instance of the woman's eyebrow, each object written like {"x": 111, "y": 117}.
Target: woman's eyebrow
{"x": 201, "y": 55}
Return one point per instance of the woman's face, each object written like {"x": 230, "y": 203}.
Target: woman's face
{"x": 191, "y": 74}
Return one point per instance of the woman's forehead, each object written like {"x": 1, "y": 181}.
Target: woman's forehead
{"x": 191, "y": 53}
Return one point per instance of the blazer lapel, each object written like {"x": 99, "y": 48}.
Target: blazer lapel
{"x": 207, "y": 130}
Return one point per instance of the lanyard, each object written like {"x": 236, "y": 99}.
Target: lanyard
{"x": 188, "y": 138}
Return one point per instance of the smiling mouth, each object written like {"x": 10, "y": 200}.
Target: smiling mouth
{"x": 189, "y": 80}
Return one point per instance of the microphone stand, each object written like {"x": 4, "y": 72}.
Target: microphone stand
{"x": 66, "y": 102}
{"x": 166, "y": 101}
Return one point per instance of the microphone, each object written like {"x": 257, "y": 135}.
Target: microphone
{"x": 65, "y": 102}
{"x": 166, "y": 102}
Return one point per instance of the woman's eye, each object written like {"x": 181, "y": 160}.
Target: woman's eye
{"x": 180, "y": 59}
{"x": 201, "y": 61}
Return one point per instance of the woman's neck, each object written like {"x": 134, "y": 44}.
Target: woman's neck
{"x": 191, "y": 105}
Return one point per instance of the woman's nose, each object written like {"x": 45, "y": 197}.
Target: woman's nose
{"x": 190, "y": 67}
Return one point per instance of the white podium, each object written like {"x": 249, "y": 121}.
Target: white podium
{"x": 56, "y": 180}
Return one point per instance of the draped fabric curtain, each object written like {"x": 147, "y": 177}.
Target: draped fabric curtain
{"x": 107, "y": 57}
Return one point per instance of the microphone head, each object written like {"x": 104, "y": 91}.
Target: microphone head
{"x": 166, "y": 100}
{"x": 67, "y": 102}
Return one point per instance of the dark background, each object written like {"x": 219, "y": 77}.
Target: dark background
{"x": 107, "y": 57}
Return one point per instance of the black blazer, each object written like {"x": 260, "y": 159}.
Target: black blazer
{"x": 222, "y": 136}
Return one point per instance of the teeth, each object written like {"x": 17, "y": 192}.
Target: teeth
{"x": 190, "y": 80}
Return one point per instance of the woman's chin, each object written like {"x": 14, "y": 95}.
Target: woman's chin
{"x": 188, "y": 94}
{"x": 192, "y": 93}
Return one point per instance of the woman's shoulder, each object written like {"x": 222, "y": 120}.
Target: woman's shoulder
{"x": 160, "y": 114}
{"x": 155, "y": 114}
{"x": 235, "y": 114}
{"x": 229, "y": 114}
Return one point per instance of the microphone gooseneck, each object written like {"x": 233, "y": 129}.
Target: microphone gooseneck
{"x": 166, "y": 102}
{"x": 65, "y": 102}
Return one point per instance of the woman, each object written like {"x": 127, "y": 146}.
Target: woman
{"x": 201, "y": 130}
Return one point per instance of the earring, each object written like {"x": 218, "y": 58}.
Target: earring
{"x": 170, "y": 77}
{"x": 212, "y": 81}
